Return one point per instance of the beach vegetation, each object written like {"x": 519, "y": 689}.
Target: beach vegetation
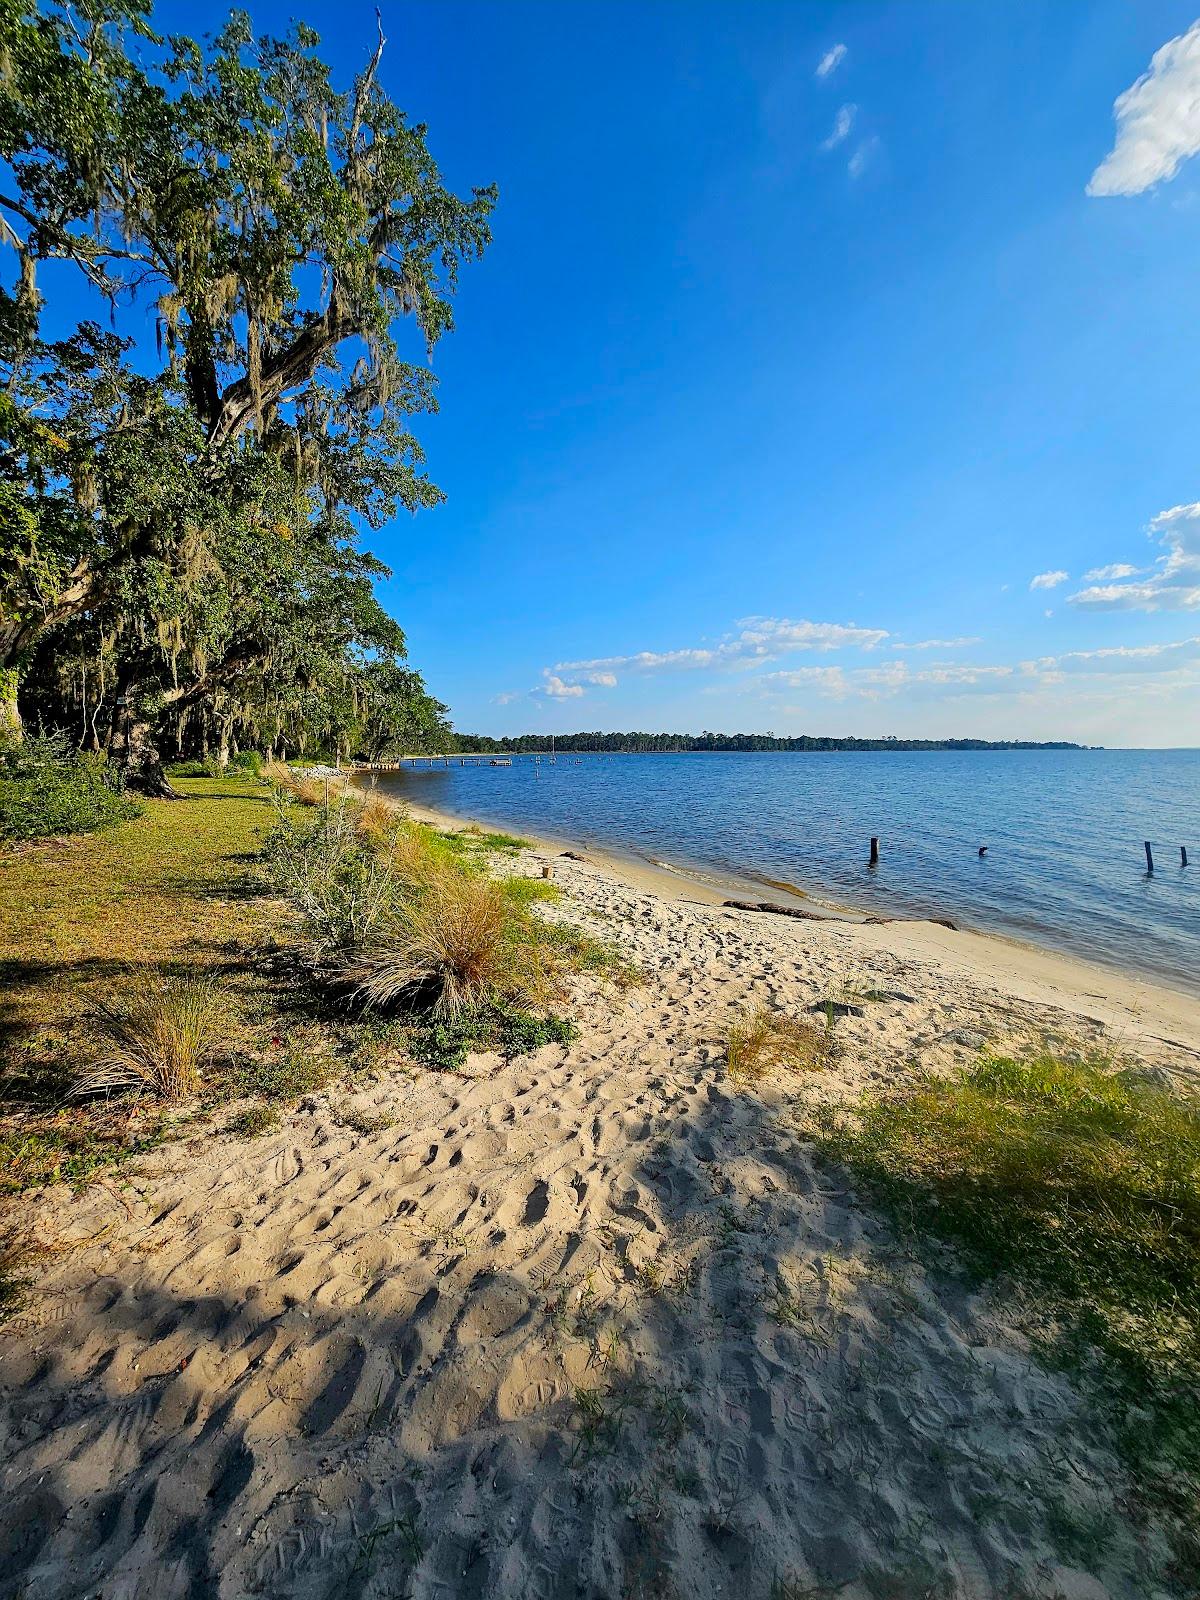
{"x": 48, "y": 788}
{"x": 155, "y": 1042}
{"x": 1078, "y": 1182}
{"x": 763, "y": 1041}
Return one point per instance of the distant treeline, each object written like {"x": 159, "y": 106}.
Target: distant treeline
{"x": 643, "y": 743}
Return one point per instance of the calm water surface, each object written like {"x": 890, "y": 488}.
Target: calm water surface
{"x": 1064, "y": 829}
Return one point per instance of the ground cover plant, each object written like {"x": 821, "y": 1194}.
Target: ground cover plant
{"x": 48, "y": 787}
{"x": 1079, "y": 1181}
{"x": 144, "y": 922}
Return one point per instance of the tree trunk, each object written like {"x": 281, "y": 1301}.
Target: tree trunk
{"x": 143, "y": 765}
{"x": 11, "y": 728}
{"x": 134, "y": 748}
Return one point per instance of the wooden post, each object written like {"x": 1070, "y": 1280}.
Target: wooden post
{"x": 547, "y": 872}
{"x": 874, "y": 861}
{"x": 1149, "y": 860}
{"x": 1183, "y": 855}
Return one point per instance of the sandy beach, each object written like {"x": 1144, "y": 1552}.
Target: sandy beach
{"x": 590, "y": 1323}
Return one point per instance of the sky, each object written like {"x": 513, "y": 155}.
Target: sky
{"x": 835, "y": 367}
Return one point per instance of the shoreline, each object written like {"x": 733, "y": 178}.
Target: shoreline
{"x": 1128, "y": 1006}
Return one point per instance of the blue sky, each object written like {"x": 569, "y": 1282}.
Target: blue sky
{"x": 801, "y": 352}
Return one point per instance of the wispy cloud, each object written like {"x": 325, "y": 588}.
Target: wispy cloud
{"x": 1048, "y": 580}
{"x": 1118, "y": 569}
{"x": 842, "y": 125}
{"x": 1165, "y": 657}
{"x": 755, "y": 640}
{"x": 831, "y": 60}
{"x": 862, "y": 157}
{"x": 1172, "y": 583}
{"x": 934, "y": 644}
{"x": 879, "y": 682}
{"x": 1158, "y": 121}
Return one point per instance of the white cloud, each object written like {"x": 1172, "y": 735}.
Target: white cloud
{"x": 842, "y": 125}
{"x": 1118, "y": 569}
{"x": 861, "y": 158}
{"x": 507, "y": 698}
{"x": 1173, "y": 581}
{"x": 558, "y": 690}
{"x": 602, "y": 680}
{"x": 935, "y": 644}
{"x": 1048, "y": 580}
{"x": 755, "y": 640}
{"x": 1158, "y": 121}
{"x": 889, "y": 678}
{"x": 1165, "y": 657}
{"x": 831, "y": 60}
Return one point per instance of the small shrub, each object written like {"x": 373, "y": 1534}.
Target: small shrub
{"x": 157, "y": 1043}
{"x": 47, "y": 787}
{"x": 509, "y": 1031}
{"x": 286, "y": 1076}
{"x": 254, "y": 1120}
{"x": 343, "y": 891}
{"x": 761, "y": 1041}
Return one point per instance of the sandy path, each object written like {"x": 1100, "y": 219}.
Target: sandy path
{"x": 590, "y": 1324}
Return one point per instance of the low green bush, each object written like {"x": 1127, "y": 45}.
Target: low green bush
{"x": 509, "y": 1031}
{"x": 47, "y": 787}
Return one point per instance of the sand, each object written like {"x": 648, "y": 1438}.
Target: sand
{"x": 592, "y": 1323}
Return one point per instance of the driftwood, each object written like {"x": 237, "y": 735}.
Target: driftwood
{"x": 941, "y": 922}
{"x": 572, "y": 855}
{"x": 780, "y": 911}
{"x": 812, "y": 916}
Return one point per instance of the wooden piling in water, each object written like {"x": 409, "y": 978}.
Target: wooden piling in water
{"x": 1183, "y": 855}
{"x": 1149, "y": 859}
{"x": 874, "y": 861}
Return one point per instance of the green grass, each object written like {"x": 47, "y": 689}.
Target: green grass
{"x": 1081, "y": 1184}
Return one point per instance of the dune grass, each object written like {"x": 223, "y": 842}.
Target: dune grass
{"x": 1080, "y": 1183}
{"x": 763, "y": 1041}
{"x": 156, "y": 1042}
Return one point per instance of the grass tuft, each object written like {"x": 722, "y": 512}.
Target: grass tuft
{"x": 762, "y": 1041}
{"x": 450, "y": 944}
{"x": 155, "y": 1044}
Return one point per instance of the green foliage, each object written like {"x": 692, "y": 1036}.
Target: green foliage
{"x": 254, "y": 1120}
{"x": 67, "y": 1149}
{"x": 179, "y": 546}
{"x": 444, "y": 1045}
{"x": 285, "y": 1075}
{"x": 49, "y": 788}
{"x": 1083, "y": 1183}
{"x": 342, "y": 890}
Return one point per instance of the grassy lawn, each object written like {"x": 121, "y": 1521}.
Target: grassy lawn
{"x": 162, "y": 893}
{"x": 95, "y": 918}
